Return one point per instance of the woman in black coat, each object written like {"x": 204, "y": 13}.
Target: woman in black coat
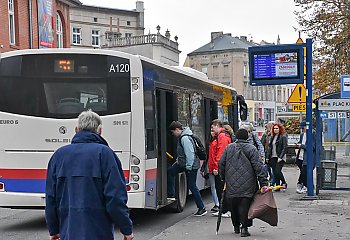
{"x": 277, "y": 153}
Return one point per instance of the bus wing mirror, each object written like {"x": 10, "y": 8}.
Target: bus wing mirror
{"x": 243, "y": 111}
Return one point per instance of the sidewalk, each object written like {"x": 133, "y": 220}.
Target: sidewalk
{"x": 327, "y": 218}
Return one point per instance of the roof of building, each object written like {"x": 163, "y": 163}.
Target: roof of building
{"x": 224, "y": 42}
{"x": 73, "y": 2}
{"x": 107, "y": 9}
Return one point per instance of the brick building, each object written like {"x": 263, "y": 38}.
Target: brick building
{"x": 35, "y": 23}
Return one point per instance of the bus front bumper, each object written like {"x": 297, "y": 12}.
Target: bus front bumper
{"x": 22, "y": 200}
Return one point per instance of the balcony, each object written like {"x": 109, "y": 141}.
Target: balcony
{"x": 113, "y": 40}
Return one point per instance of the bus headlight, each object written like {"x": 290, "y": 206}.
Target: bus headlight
{"x": 135, "y": 169}
{"x": 135, "y": 178}
{"x": 135, "y": 186}
{"x": 135, "y": 87}
{"x": 2, "y": 187}
{"x": 135, "y": 160}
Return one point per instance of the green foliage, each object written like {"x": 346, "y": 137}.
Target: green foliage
{"x": 292, "y": 126}
{"x": 328, "y": 23}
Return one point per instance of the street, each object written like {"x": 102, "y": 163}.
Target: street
{"x": 30, "y": 224}
{"x": 326, "y": 218}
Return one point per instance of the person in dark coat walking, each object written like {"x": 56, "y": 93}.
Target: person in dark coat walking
{"x": 277, "y": 153}
{"x": 240, "y": 167}
{"x": 85, "y": 187}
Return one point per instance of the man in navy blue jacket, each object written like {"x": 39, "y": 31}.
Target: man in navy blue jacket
{"x": 85, "y": 187}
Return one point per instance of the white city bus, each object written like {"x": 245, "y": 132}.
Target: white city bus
{"x": 43, "y": 91}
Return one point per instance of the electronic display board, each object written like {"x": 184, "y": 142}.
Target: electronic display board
{"x": 276, "y": 64}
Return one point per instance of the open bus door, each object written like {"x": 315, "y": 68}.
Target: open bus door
{"x": 166, "y": 113}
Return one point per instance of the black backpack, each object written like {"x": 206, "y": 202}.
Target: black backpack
{"x": 198, "y": 146}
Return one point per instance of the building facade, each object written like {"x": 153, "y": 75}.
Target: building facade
{"x": 121, "y": 30}
{"x": 35, "y": 24}
{"x": 98, "y": 27}
{"x": 225, "y": 59}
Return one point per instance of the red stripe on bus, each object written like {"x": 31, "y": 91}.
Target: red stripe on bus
{"x": 39, "y": 174}
{"x": 126, "y": 174}
{"x": 151, "y": 174}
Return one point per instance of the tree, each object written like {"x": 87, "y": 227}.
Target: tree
{"x": 328, "y": 23}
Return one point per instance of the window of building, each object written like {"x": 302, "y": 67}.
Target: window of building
{"x": 95, "y": 19}
{"x": 12, "y": 26}
{"x": 215, "y": 71}
{"x": 226, "y": 71}
{"x": 59, "y": 31}
{"x": 260, "y": 93}
{"x": 127, "y": 35}
{"x": 205, "y": 69}
{"x": 128, "y": 23}
{"x": 245, "y": 70}
{"x": 76, "y": 36}
{"x": 95, "y": 38}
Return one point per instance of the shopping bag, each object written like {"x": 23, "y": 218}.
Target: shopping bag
{"x": 264, "y": 208}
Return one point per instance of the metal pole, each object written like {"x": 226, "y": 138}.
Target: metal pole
{"x": 309, "y": 137}
{"x": 318, "y": 147}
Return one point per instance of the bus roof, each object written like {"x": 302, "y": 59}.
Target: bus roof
{"x": 182, "y": 70}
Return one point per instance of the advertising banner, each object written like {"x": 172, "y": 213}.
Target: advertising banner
{"x": 45, "y": 22}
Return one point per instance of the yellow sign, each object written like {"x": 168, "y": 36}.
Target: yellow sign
{"x": 298, "y": 95}
{"x": 299, "y": 107}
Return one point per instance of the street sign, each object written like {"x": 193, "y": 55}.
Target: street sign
{"x": 341, "y": 114}
{"x": 323, "y": 114}
{"x": 298, "y": 95}
{"x": 332, "y": 115}
{"x": 299, "y": 107}
{"x": 345, "y": 86}
{"x": 334, "y": 104}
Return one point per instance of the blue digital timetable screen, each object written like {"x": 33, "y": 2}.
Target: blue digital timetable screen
{"x": 277, "y": 64}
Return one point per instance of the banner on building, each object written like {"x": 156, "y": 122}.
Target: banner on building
{"x": 45, "y": 22}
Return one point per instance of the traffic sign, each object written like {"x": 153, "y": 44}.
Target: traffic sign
{"x": 299, "y": 107}
{"x": 298, "y": 95}
{"x": 345, "y": 86}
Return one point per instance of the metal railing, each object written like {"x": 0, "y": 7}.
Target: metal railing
{"x": 114, "y": 41}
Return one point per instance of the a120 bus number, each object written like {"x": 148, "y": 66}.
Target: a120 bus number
{"x": 119, "y": 68}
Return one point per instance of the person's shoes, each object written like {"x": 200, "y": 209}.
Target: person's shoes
{"x": 244, "y": 232}
{"x": 237, "y": 229}
{"x": 226, "y": 215}
{"x": 215, "y": 209}
{"x": 303, "y": 190}
{"x": 299, "y": 187}
{"x": 200, "y": 212}
{"x": 284, "y": 185}
{"x": 171, "y": 198}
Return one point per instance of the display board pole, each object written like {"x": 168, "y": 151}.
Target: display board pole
{"x": 309, "y": 135}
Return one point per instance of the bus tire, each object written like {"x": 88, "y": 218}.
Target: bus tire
{"x": 181, "y": 192}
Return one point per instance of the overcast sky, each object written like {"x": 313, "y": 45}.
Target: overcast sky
{"x": 193, "y": 20}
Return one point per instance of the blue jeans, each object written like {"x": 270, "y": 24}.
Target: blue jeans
{"x": 191, "y": 176}
{"x": 213, "y": 189}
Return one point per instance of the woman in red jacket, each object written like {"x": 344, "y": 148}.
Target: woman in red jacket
{"x": 212, "y": 164}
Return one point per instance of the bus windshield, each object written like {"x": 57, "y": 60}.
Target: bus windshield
{"x": 38, "y": 89}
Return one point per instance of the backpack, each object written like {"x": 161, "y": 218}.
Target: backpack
{"x": 233, "y": 136}
{"x": 198, "y": 146}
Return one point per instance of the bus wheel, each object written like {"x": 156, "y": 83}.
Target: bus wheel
{"x": 181, "y": 192}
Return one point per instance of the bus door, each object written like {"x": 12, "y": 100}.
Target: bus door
{"x": 166, "y": 113}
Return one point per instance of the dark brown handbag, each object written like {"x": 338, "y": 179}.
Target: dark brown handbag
{"x": 264, "y": 208}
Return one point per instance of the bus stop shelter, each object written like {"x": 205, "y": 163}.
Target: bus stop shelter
{"x": 332, "y": 140}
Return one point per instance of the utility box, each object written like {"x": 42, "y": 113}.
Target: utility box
{"x": 328, "y": 174}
